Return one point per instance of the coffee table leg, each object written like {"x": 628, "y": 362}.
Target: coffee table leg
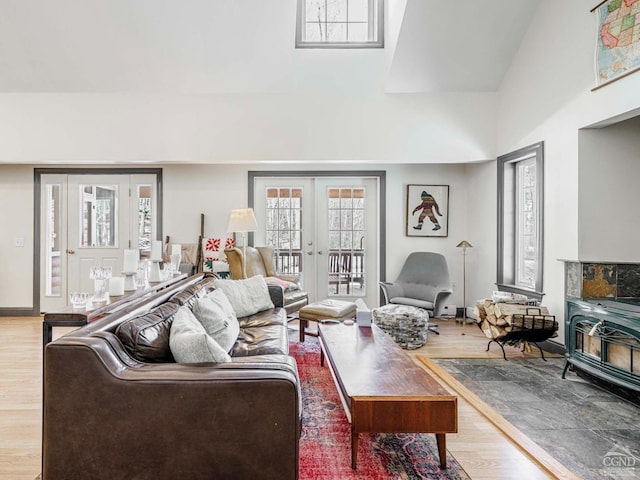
{"x": 354, "y": 447}
{"x": 442, "y": 449}
{"x": 321, "y": 357}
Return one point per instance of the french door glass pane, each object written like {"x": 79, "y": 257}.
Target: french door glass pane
{"x": 52, "y": 247}
{"x": 345, "y": 260}
{"x": 98, "y": 216}
{"x": 284, "y": 227}
{"x": 145, "y": 216}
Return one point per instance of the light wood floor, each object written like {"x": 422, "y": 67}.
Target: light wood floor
{"x": 483, "y": 450}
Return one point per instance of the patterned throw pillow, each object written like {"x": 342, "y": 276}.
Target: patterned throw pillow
{"x": 214, "y": 259}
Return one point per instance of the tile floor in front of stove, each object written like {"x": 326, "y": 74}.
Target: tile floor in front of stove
{"x": 591, "y": 431}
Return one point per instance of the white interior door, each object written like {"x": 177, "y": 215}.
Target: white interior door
{"x": 325, "y": 230}
{"x": 88, "y": 220}
{"x": 98, "y": 226}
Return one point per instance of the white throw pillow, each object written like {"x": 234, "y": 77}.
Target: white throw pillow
{"x": 190, "y": 343}
{"x": 246, "y": 296}
{"x": 218, "y": 318}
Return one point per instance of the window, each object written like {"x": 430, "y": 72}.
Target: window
{"x": 520, "y": 220}
{"x": 340, "y": 24}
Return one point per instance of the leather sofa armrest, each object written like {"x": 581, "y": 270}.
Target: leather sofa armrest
{"x": 289, "y": 278}
{"x": 277, "y": 295}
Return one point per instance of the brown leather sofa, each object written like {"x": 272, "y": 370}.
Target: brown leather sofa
{"x": 261, "y": 261}
{"x": 116, "y": 405}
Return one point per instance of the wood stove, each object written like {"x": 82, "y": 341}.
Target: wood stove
{"x": 602, "y": 322}
{"x": 603, "y": 339}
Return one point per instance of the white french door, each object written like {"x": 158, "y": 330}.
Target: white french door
{"x": 326, "y": 230}
{"x": 87, "y": 221}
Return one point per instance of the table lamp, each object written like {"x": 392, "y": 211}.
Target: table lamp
{"x": 243, "y": 220}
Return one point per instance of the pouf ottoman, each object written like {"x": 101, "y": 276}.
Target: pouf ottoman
{"x": 407, "y": 325}
{"x": 324, "y": 310}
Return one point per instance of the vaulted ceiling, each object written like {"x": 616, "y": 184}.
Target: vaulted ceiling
{"x": 247, "y": 46}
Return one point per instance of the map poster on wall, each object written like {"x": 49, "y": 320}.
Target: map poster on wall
{"x": 618, "y": 46}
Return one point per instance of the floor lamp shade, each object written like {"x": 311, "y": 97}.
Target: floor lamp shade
{"x": 243, "y": 220}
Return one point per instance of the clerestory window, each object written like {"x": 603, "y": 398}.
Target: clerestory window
{"x": 340, "y": 24}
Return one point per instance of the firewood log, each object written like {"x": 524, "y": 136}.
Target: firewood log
{"x": 502, "y": 322}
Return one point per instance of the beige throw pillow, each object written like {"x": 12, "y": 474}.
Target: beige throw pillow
{"x": 247, "y": 297}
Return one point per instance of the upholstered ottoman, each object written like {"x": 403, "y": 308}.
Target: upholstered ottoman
{"x": 407, "y": 325}
{"x": 335, "y": 310}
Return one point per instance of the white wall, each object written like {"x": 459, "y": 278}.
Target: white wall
{"x": 16, "y": 220}
{"x": 547, "y": 96}
{"x": 608, "y": 222}
{"x": 481, "y": 206}
{"x": 297, "y": 127}
{"x": 214, "y": 190}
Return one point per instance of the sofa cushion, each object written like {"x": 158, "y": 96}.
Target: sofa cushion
{"x": 146, "y": 337}
{"x": 190, "y": 343}
{"x": 285, "y": 284}
{"x": 218, "y": 318}
{"x": 248, "y": 296}
{"x": 264, "y": 333}
{"x": 264, "y": 340}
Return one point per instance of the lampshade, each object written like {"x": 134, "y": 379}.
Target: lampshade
{"x": 242, "y": 220}
{"x": 464, "y": 244}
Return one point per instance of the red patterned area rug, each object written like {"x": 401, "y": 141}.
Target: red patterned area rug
{"x": 325, "y": 445}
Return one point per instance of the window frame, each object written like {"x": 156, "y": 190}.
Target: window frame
{"x": 507, "y": 221}
{"x": 378, "y": 43}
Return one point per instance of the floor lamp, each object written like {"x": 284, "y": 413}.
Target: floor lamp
{"x": 242, "y": 220}
{"x": 464, "y": 245}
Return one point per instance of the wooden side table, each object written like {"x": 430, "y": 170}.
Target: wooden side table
{"x": 73, "y": 317}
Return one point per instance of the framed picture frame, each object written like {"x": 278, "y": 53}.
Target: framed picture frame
{"x": 427, "y": 213}
{"x": 617, "y": 41}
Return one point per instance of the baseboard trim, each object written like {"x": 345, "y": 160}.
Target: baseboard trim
{"x": 17, "y": 312}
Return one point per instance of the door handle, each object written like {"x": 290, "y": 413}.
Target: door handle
{"x": 71, "y": 252}
{"x": 320, "y": 252}
{"x": 309, "y": 253}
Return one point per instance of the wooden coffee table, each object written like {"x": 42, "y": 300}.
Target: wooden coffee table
{"x": 382, "y": 389}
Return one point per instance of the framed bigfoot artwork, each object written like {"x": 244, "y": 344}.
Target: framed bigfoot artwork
{"x": 427, "y": 211}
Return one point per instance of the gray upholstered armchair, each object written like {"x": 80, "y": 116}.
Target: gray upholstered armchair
{"x": 423, "y": 282}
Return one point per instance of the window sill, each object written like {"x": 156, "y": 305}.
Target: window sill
{"x": 523, "y": 291}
